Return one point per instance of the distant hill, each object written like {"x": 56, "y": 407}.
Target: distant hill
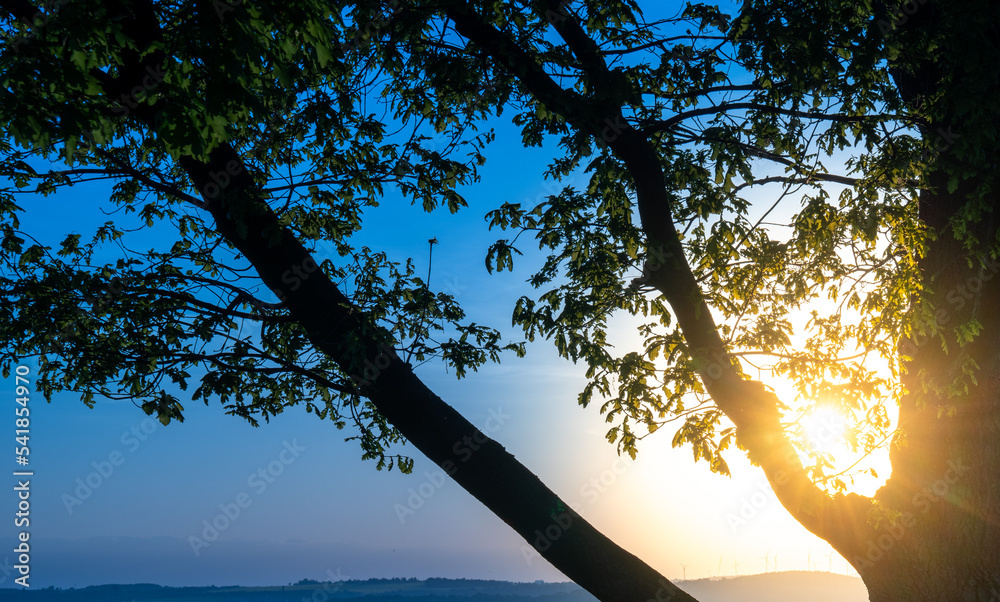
{"x": 790, "y": 586}
{"x": 770, "y": 587}
{"x": 372, "y": 590}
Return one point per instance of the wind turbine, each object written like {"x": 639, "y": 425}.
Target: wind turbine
{"x": 764, "y": 558}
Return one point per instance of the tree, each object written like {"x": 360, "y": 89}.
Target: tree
{"x": 255, "y": 116}
{"x": 894, "y": 84}
{"x": 674, "y": 119}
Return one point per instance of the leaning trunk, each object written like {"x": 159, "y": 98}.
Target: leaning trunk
{"x": 479, "y": 464}
{"x": 336, "y": 327}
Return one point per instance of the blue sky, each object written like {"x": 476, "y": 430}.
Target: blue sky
{"x": 322, "y": 511}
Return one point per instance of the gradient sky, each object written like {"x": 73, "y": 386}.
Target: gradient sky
{"x": 324, "y": 513}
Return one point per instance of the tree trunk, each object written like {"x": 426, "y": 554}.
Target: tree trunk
{"x": 943, "y": 491}
{"x": 945, "y": 456}
{"x": 477, "y": 463}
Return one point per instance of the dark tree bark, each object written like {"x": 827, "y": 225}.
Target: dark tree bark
{"x": 946, "y": 453}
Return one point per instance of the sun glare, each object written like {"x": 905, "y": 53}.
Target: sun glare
{"x": 824, "y": 430}
{"x": 827, "y": 430}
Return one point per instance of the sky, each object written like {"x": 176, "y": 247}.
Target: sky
{"x": 116, "y": 497}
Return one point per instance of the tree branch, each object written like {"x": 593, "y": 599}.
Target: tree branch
{"x": 751, "y": 407}
{"x": 666, "y": 124}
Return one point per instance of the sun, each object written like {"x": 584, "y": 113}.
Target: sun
{"x": 824, "y": 429}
